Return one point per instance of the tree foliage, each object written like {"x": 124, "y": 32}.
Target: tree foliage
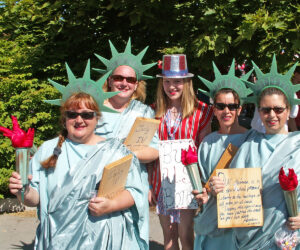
{"x": 220, "y": 30}
{"x": 38, "y": 36}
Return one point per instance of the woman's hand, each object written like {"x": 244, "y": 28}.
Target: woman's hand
{"x": 293, "y": 223}
{"x": 99, "y": 206}
{"x": 15, "y": 184}
{"x": 151, "y": 197}
{"x": 201, "y": 198}
{"x": 216, "y": 185}
{"x": 31, "y": 196}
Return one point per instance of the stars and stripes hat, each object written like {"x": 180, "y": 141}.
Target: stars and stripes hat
{"x": 174, "y": 66}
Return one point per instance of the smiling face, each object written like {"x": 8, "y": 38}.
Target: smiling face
{"x": 123, "y": 79}
{"x": 274, "y": 122}
{"x": 173, "y": 87}
{"x": 80, "y": 130}
{"x": 226, "y": 117}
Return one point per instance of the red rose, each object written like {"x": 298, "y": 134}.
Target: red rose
{"x": 290, "y": 182}
{"x": 189, "y": 157}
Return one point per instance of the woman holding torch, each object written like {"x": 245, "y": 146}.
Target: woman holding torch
{"x": 274, "y": 95}
{"x": 67, "y": 170}
{"x": 227, "y": 92}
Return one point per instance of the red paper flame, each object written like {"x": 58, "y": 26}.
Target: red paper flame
{"x": 189, "y": 157}
{"x": 19, "y": 138}
{"x": 290, "y": 182}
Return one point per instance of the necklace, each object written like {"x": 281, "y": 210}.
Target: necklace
{"x": 174, "y": 113}
{"x": 172, "y": 129}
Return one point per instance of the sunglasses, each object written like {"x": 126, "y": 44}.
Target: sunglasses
{"x": 83, "y": 115}
{"x": 267, "y": 110}
{"x": 231, "y": 106}
{"x": 119, "y": 78}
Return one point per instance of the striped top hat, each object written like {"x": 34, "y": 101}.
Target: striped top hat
{"x": 174, "y": 66}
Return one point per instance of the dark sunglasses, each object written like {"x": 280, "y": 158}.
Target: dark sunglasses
{"x": 267, "y": 110}
{"x": 120, "y": 78}
{"x": 83, "y": 115}
{"x": 231, "y": 106}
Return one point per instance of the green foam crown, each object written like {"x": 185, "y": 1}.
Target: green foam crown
{"x": 229, "y": 81}
{"x": 275, "y": 80}
{"x": 126, "y": 58}
{"x": 85, "y": 85}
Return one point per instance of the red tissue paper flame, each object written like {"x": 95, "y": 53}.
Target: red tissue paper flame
{"x": 19, "y": 138}
{"x": 189, "y": 157}
{"x": 290, "y": 182}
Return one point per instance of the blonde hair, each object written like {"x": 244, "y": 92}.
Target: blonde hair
{"x": 75, "y": 101}
{"x": 188, "y": 99}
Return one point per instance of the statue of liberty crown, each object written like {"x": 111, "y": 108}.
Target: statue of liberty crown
{"x": 84, "y": 84}
{"x": 275, "y": 80}
{"x": 229, "y": 81}
{"x": 126, "y": 58}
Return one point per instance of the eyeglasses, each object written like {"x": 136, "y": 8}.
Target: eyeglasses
{"x": 230, "y": 106}
{"x": 119, "y": 78}
{"x": 83, "y": 115}
{"x": 267, "y": 110}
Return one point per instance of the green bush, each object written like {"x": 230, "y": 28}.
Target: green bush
{"x": 4, "y": 178}
{"x": 22, "y": 95}
{"x": 23, "y": 99}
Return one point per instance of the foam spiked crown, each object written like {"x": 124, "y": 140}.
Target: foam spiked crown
{"x": 126, "y": 58}
{"x": 275, "y": 80}
{"x": 229, "y": 81}
{"x": 84, "y": 84}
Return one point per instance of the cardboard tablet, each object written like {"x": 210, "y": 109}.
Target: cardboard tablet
{"x": 114, "y": 177}
{"x": 141, "y": 133}
{"x": 224, "y": 161}
{"x": 240, "y": 203}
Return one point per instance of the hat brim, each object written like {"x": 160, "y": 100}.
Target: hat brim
{"x": 188, "y": 75}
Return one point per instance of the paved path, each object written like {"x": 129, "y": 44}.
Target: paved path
{"x": 17, "y": 231}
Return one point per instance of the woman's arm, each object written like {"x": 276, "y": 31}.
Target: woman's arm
{"x": 99, "y": 206}
{"x": 147, "y": 154}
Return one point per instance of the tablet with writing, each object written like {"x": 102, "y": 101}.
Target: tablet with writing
{"x": 240, "y": 203}
{"x": 175, "y": 182}
{"x": 114, "y": 177}
{"x": 224, "y": 161}
{"x": 141, "y": 133}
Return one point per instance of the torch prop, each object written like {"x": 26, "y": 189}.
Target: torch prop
{"x": 22, "y": 141}
{"x": 190, "y": 159}
{"x": 285, "y": 238}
